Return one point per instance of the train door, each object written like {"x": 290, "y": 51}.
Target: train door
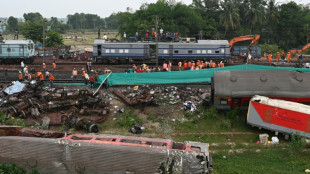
{"x": 170, "y": 51}
{"x": 152, "y": 49}
{"x": 99, "y": 50}
{"x": 146, "y": 51}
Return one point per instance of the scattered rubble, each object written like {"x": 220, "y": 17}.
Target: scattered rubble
{"x": 146, "y": 95}
{"x": 45, "y": 105}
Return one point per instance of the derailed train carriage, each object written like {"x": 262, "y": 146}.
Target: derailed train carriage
{"x": 146, "y": 51}
{"x": 106, "y": 154}
{"x": 13, "y": 51}
{"x": 234, "y": 89}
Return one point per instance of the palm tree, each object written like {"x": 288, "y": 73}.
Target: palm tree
{"x": 229, "y": 16}
{"x": 255, "y": 15}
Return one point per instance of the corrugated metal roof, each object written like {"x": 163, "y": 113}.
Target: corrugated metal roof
{"x": 266, "y": 83}
{"x": 17, "y": 41}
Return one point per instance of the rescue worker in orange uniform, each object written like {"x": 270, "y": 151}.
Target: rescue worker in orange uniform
{"x": 165, "y": 66}
{"x": 278, "y": 56}
{"x": 193, "y": 66}
{"x": 54, "y": 66}
{"x": 185, "y": 65}
{"x": 265, "y": 56}
{"x": 52, "y": 78}
{"x": 41, "y": 78}
{"x": 20, "y": 76}
{"x": 288, "y": 56}
{"x": 221, "y": 64}
{"x": 204, "y": 65}
{"x": 270, "y": 57}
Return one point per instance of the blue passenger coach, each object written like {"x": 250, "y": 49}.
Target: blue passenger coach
{"x": 17, "y": 50}
{"x": 146, "y": 51}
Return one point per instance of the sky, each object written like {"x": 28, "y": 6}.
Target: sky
{"x": 61, "y": 8}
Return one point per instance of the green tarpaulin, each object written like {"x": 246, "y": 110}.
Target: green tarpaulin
{"x": 173, "y": 77}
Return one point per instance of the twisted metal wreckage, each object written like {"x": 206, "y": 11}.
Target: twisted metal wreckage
{"x": 61, "y": 152}
{"x": 46, "y": 106}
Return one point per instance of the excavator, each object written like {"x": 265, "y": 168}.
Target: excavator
{"x": 254, "y": 39}
{"x": 294, "y": 51}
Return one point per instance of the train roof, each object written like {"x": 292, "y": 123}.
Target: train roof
{"x": 12, "y": 42}
{"x": 202, "y": 42}
{"x": 266, "y": 83}
{"x": 213, "y": 42}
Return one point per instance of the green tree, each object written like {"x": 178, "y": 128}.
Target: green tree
{"x": 112, "y": 21}
{"x": 229, "y": 17}
{"x": 33, "y": 17}
{"x": 255, "y": 15}
{"x": 53, "y": 39}
{"x": 33, "y": 31}
{"x": 292, "y": 26}
{"x": 12, "y": 24}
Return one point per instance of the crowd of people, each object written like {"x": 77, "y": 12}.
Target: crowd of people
{"x": 32, "y": 74}
{"x": 90, "y": 76}
{"x": 167, "y": 66}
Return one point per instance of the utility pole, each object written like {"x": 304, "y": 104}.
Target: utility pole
{"x": 43, "y": 40}
{"x": 156, "y": 36}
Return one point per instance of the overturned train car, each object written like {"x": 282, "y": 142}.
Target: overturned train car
{"x": 279, "y": 115}
{"x": 105, "y": 154}
{"x": 108, "y": 52}
{"x": 234, "y": 89}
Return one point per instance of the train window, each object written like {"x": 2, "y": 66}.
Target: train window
{"x": 130, "y": 141}
{"x": 21, "y": 50}
{"x": 106, "y": 139}
{"x": 126, "y": 51}
{"x": 209, "y": 51}
{"x": 204, "y": 51}
{"x": 165, "y": 51}
{"x": 190, "y": 51}
{"x": 81, "y": 138}
{"x": 198, "y": 51}
{"x": 0, "y": 49}
{"x": 222, "y": 51}
{"x": 176, "y": 51}
{"x": 217, "y": 52}
{"x": 223, "y": 102}
{"x": 8, "y": 50}
{"x": 156, "y": 143}
{"x": 112, "y": 50}
{"x": 107, "y": 51}
{"x": 121, "y": 51}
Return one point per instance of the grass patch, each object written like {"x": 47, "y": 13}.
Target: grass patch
{"x": 271, "y": 160}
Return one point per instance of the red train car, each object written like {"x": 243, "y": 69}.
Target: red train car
{"x": 279, "y": 116}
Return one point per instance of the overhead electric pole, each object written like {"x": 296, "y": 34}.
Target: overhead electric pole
{"x": 156, "y": 37}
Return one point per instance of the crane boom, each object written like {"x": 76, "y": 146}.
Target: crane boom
{"x": 254, "y": 39}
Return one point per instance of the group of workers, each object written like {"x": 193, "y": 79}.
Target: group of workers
{"x": 167, "y": 66}
{"x": 24, "y": 74}
{"x": 192, "y": 65}
{"x": 279, "y": 56}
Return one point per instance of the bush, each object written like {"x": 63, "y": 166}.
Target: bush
{"x": 13, "y": 169}
{"x": 127, "y": 119}
{"x": 211, "y": 112}
{"x": 296, "y": 145}
{"x": 270, "y": 48}
{"x": 236, "y": 117}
